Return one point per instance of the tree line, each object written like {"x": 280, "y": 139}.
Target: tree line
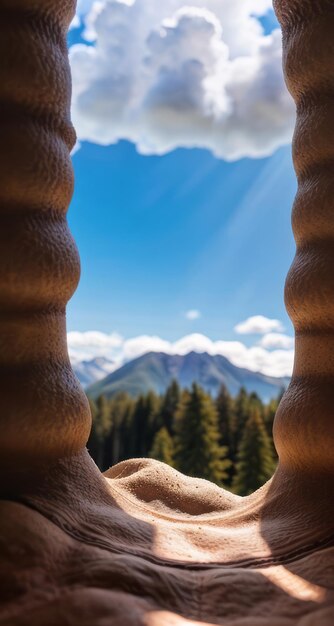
{"x": 225, "y": 440}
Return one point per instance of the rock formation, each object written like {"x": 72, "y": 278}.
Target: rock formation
{"x": 142, "y": 544}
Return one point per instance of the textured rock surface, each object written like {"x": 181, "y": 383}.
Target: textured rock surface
{"x": 144, "y": 545}
{"x": 39, "y": 263}
{"x": 304, "y": 428}
{"x": 149, "y": 546}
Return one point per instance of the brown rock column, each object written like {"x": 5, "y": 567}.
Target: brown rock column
{"x": 44, "y": 413}
{"x": 304, "y": 427}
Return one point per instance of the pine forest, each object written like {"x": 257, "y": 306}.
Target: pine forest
{"x": 225, "y": 440}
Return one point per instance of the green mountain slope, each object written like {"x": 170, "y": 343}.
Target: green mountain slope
{"x": 154, "y": 371}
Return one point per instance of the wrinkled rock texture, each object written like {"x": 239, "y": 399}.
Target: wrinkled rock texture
{"x": 144, "y": 545}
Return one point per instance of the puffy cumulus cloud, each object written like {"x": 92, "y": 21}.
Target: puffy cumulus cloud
{"x": 83, "y": 6}
{"x": 76, "y": 148}
{"x": 258, "y": 325}
{"x": 135, "y": 347}
{"x": 75, "y": 22}
{"x": 256, "y": 358}
{"x": 91, "y": 344}
{"x": 192, "y": 315}
{"x": 165, "y": 75}
{"x": 277, "y": 340}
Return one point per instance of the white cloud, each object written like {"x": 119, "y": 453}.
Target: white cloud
{"x": 75, "y": 148}
{"x": 83, "y": 7}
{"x": 88, "y": 345}
{"x": 165, "y": 75}
{"x": 193, "y": 314}
{"x": 137, "y": 346}
{"x": 258, "y": 325}
{"x": 258, "y": 359}
{"x": 277, "y": 340}
{"x": 75, "y": 22}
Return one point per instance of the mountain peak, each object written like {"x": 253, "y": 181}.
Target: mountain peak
{"x": 155, "y": 370}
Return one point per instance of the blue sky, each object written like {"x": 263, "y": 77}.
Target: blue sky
{"x": 161, "y": 235}
{"x": 178, "y": 230}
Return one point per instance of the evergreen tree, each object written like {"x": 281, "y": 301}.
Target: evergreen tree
{"x": 269, "y": 417}
{"x": 197, "y": 449}
{"x": 121, "y": 408}
{"x": 202, "y": 430}
{"x": 138, "y": 428}
{"x": 239, "y": 419}
{"x": 224, "y": 406}
{"x": 125, "y": 429}
{"x": 153, "y": 424}
{"x": 255, "y": 464}
{"x": 170, "y": 402}
{"x": 103, "y": 416}
{"x": 162, "y": 448}
{"x": 254, "y": 401}
{"x": 144, "y": 423}
{"x": 102, "y": 423}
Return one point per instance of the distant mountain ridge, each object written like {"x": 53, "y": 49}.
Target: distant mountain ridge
{"x": 93, "y": 370}
{"x": 155, "y": 370}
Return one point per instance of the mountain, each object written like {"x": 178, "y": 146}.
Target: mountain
{"x": 154, "y": 371}
{"x": 89, "y": 372}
